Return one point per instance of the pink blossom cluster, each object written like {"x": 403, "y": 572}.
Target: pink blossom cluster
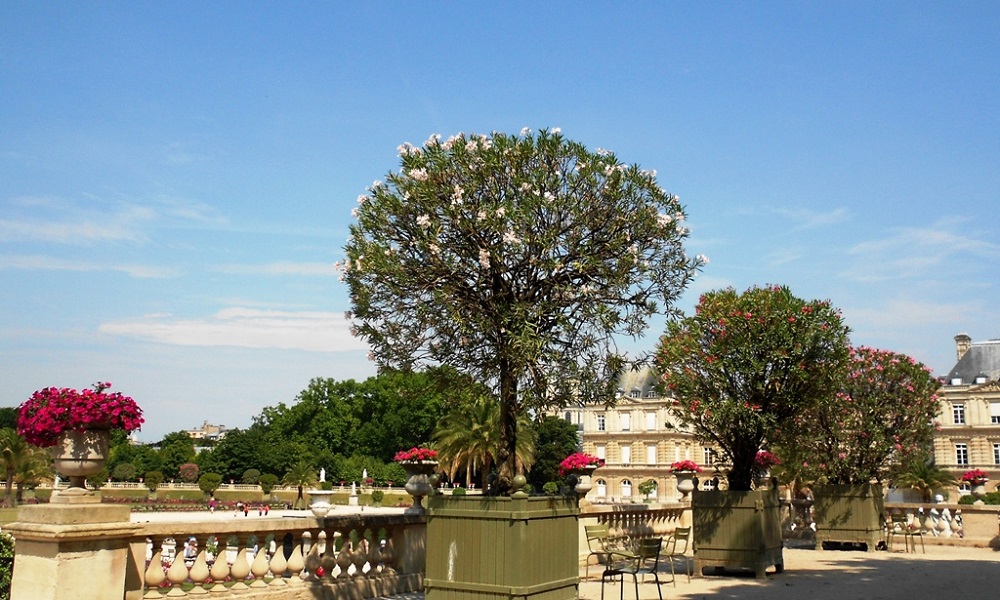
{"x": 579, "y": 460}
{"x": 975, "y": 476}
{"x": 765, "y": 460}
{"x": 415, "y": 455}
{"x": 50, "y": 411}
{"x": 685, "y": 465}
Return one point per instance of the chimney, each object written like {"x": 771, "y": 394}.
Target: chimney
{"x": 962, "y": 344}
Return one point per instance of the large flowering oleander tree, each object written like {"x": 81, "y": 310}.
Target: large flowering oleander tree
{"x": 883, "y": 414}
{"x": 747, "y": 363}
{"x": 517, "y": 259}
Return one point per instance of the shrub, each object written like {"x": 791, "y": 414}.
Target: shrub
{"x": 6, "y": 564}
{"x": 250, "y": 477}
{"x": 459, "y": 491}
{"x": 209, "y": 482}
{"x": 124, "y": 472}
{"x": 153, "y": 479}
{"x": 188, "y": 472}
{"x": 377, "y": 496}
{"x": 97, "y": 480}
{"x": 268, "y": 482}
{"x": 551, "y": 488}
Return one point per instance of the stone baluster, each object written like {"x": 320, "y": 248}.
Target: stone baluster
{"x": 199, "y": 574}
{"x": 313, "y": 561}
{"x": 220, "y": 570}
{"x": 946, "y": 531}
{"x": 374, "y": 550}
{"x": 260, "y": 567}
{"x": 359, "y": 554}
{"x": 344, "y": 557}
{"x": 388, "y": 553}
{"x": 296, "y": 565}
{"x": 155, "y": 576}
{"x": 177, "y": 574}
{"x": 240, "y": 570}
{"x": 278, "y": 566}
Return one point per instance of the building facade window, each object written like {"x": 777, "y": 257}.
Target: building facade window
{"x": 708, "y": 457}
{"x": 995, "y": 413}
{"x": 602, "y": 488}
{"x": 651, "y": 454}
{"x": 601, "y": 423}
{"x": 602, "y": 452}
{"x": 635, "y": 394}
{"x": 958, "y": 414}
{"x": 626, "y": 421}
{"x": 996, "y": 454}
{"x": 651, "y": 421}
{"x": 626, "y": 488}
{"x": 626, "y": 455}
{"x": 962, "y": 454}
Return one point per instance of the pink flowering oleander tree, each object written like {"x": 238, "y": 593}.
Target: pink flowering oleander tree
{"x": 517, "y": 259}
{"x": 882, "y": 416}
{"x": 745, "y": 364}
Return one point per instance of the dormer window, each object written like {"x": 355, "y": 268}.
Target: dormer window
{"x": 980, "y": 378}
{"x": 956, "y": 381}
{"x": 635, "y": 394}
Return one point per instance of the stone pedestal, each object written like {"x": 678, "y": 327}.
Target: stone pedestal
{"x": 71, "y": 551}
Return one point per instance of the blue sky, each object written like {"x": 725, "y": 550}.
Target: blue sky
{"x": 176, "y": 179}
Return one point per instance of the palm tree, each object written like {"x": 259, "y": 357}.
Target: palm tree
{"x": 300, "y": 475}
{"x": 923, "y": 474}
{"x": 469, "y": 438}
{"x": 22, "y": 464}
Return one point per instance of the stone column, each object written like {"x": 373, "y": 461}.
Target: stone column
{"x": 70, "y": 550}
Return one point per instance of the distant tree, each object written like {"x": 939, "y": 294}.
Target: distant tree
{"x": 555, "y": 440}
{"x": 517, "y": 259}
{"x": 23, "y": 465}
{"x": 209, "y": 482}
{"x": 97, "y": 480}
{"x": 152, "y": 480}
{"x": 268, "y": 482}
{"x": 301, "y": 474}
{"x": 188, "y": 472}
{"x": 648, "y": 487}
{"x": 176, "y": 449}
{"x": 747, "y": 364}
{"x": 8, "y": 417}
{"x": 123, "y": 472}
{"x": 250, "y": 477}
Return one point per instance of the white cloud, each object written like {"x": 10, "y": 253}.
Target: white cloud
{"x": 313, "y": 331}
{"x": 48, "y": 263}
{"x": 909, "y": 252}
{"x": 280, "y": 268}
{"x": 810, "y": 219}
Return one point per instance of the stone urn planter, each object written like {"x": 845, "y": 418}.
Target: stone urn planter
{"x": 685, "y": 483}
{"x": 850, "y": 514}
{"x": 418, "y": 483}
{"x": 319, "y": 502}
{"x": 78, "y": 455}
{"x": 737, "y": 530}
{"x": 494, "y": 548}
{"x": 583, "y": 480}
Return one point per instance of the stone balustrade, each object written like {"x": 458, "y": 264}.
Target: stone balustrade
{"x": 61, "y": 549}
{"x": 951, "y": 524}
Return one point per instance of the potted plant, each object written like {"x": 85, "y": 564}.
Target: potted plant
{"x": 582, "y": 466}
{"x": 881, "y": 415}
{"x": 685, "y": 472}
{"x": 744, "y": 365}
{"x": 517, "y": 260}
{"x": 77, "y": 426}
{"x": 977, "y": 479}
{"x": 419, "y": 464}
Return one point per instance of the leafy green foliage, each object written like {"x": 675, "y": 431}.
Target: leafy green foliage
{"x": 209, "y": 482}
{"x": 748, "y": 363}
{"x": 152, "y": 480}
{"x": 250, "y": 477}
{"x": 176, "y": 449}
{"x": 188, "y": 472}
{"x": 97, "y": 480}
{"x": 6, "y": 564}
{"x": 648, "y": 487}
{"x": 882, "y": 414}
{"x": 920, "y": 472}
{"x": 123, "y": 472}
{"x": 268, "y": 482}
{"x": 517, "y": 260}
{"x": 555, "y": 439}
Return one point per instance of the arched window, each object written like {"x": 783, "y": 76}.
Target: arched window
{"x": 626, "y": 489}
{"x": 602, "y": 488}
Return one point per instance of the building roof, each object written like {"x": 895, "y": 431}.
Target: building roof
{"x": 642, "y": 381}
{"x": 982, "y": 358}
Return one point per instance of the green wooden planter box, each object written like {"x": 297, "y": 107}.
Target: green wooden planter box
{"x": 848, "y": 514}
{"x": 737, "y": 530}
{"x": 488, "y": 548}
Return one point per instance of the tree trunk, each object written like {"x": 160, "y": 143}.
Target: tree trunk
{"x": 507, "y": 452}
